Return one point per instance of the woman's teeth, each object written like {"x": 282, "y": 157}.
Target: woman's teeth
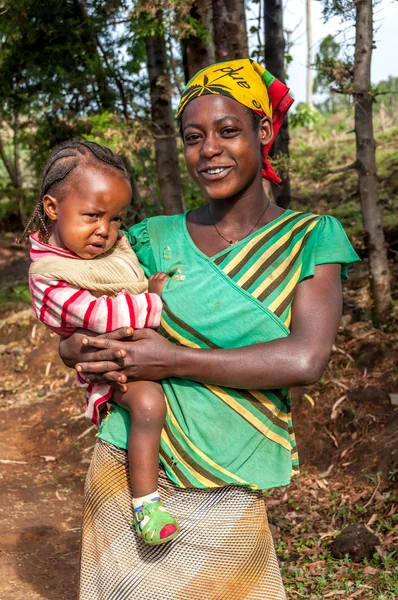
{"x": 215, "y": 171}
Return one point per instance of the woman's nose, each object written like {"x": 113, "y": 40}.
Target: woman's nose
{"x": 211, "y": 146}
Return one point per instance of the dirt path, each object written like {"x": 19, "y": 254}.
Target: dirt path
{"x": 42, "y": 484}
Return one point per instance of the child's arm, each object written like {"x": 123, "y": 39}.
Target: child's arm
{"x": 64, "y": 307}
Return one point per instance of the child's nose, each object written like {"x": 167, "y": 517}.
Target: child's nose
{"x": 103, "y": 228}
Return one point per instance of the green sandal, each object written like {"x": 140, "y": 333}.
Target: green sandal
{"x": 154, "y": 524}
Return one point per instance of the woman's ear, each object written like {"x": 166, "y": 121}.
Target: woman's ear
{"x": 266, "y": 131}
{"x": 50, "y": 206}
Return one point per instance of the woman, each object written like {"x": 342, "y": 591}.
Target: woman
{"x": 252, "y": 308}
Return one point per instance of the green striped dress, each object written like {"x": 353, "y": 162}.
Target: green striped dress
{"x": 216, "y": 436}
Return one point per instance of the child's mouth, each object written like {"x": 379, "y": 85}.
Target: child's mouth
{"x": 96, "y": 248}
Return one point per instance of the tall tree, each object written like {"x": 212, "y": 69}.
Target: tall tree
{"x": 366, "y": 161}
{"x": 355, "y": 79}
{"x": 198, "y": 48}
{"x": 168, "y": 170}
{"x": 230, "y": 33}
{"x": 274, "y": 55}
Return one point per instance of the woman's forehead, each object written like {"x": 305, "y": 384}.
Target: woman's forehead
{"x": 212, "y": 108}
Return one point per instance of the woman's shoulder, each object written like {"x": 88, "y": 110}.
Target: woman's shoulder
{"x": 325, "y": 220}
{"x": 320, "y": 226}
{"x": 141, "y": 233}
{"x": 325, "y": 242}
{"x": 327, "y": 226}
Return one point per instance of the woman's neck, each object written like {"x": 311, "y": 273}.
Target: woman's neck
{"x": 242, "y": 211}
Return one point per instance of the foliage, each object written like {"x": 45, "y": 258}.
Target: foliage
{"x": 332, "y": 67}
{"x": 331, "y": 146}
{"x": 345, "y": 9}
{"x": 386, "y": 96}
{"x": 305, "y": 116}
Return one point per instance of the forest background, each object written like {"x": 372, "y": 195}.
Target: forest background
{"x": 112, "y": 71}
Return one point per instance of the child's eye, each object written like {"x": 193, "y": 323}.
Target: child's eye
{"x": 117, "y": 219}
{"x": 91, "y": 215}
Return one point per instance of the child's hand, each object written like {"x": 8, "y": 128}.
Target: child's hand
{"x": 156, "y": 283}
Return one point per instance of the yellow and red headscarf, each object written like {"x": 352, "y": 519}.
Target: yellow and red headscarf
{"x": 250, "y": 84}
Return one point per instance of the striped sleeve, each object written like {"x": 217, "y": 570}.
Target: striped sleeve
{"x": 64, "y": 308}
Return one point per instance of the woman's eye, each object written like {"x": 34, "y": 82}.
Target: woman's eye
{"x": 192, "y": 138}
{"x": 229, "y": 131}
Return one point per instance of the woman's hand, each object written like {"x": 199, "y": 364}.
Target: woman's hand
{"x": 72, "y": 350}
{"x": 147, "y": 355}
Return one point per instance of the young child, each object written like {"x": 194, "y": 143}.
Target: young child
{"x": 84, "y": 274}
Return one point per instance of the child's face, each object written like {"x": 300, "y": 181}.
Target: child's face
{"x": 87, "y": 220}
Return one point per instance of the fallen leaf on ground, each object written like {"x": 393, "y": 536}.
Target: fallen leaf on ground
{"x": 310, "y": 399}
{"x": 370, "y": 570}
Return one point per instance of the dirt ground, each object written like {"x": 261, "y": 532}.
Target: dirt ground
{"x": 345, "y": 425}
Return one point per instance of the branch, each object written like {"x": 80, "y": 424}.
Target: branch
{"x": 260, "y": 21}
{"x": 164, "y": 137}
{"x": 116, "y": 79}
{"x": 18, "y": 178}
{"x": 173, "y": 66}
{"x": 338, "y": 91}
{"x": 354, "y": 165}
{"x": 384, "y": 93}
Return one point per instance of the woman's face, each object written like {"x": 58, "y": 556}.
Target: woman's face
{"x": 222, "y": 149}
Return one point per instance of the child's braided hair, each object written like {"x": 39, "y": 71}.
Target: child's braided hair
{"x": 65, "y": 159}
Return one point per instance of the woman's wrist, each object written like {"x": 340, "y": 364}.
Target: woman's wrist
{"x": 175, "y": 362}
{"x": 187, "y": 363}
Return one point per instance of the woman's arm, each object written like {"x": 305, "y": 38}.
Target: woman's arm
{"x": 292, "y": 361}
{"x": 295, "y": 360}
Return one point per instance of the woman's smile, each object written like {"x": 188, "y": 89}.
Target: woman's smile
{"x": 215, "y": 173}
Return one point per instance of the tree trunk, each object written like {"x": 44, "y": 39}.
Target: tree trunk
{"x": 136, "y": 210}
{"x": 168, "y": 170}
{"x": 365, "y": 143}
{"x": 14, "y": 172}
{"x": 274, "y": 55}
{"x": 18, "y": 184}
{"x": 198, "y": 52}
{"x": 310, "y": 56}
{"x": 230, "y": 34}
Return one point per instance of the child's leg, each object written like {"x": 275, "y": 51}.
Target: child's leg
{"x": 147, "y": 407}
{"x": 145, "y": 402}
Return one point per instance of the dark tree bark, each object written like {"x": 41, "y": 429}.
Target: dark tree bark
{"x": 168, "y": 170}
{"x": 274, "y": 55}
{"x": 12, "y": 166}
{"x": 366, "y": 163}
{"x": 198, "y": 52}
{"x": 230, "y": 34}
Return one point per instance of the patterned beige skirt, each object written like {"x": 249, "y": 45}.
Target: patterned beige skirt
{"x": 224, "y": 551}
